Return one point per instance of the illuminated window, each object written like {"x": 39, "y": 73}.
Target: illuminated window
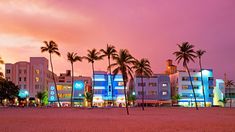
{"x": 164, "y": 84}
{"x": 37, "y": 71}
{"x": 164, "y": 93}
{"x": 195, "y": 78}
{"x": 37, "y": 79}
{"x": 120, "y": 83}
{"x": 152, "y": 92}
{"x": 185, "y": 87}
{"x": 152, "y": 84}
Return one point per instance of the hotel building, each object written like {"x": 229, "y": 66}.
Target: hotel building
{"x": 180, "y": 84}
{"x": 108, "y": 88}
{"x": 157, "y": 89}
{"x": 31, "y": 77}
{"x": 219, "y": 92}
{"x": 81, "y": 85}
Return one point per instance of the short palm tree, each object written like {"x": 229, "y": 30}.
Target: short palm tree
{"x": 110, "y": 51}
{"x": 142, "y": 69}
{"x": 199, "y": 54}
{"x": 186, "y": 54}
{"x": 224, "y": 101}
{"x": 123, "y": 64}
{"x": 73, "y": 57}
{"x": 229, "y": 84}
{"x": 176, "y": 97}
{"x": 92, "y": 56}
{"x": 52, "y": 48}
{"x": 88, "y": 96}
{"x": 39, "y": 95}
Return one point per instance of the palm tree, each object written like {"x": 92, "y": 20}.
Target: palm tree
{"x": 73, "y": 57}
{"x": 186, "y": 54}
{"x": 1, "y": 62}
{"x": 229, "y": 84}
{"x": 224, "y": 101}
{"x": 92, "y": 56}
{"x": 123, "y": 63}
{"x": 52, "y": 48}
{"x": 176, "y": 97}
{"x": 39, "y": 95}
{"x": 199, "y": 54}
{"x": 110, "y": 51}
{"x": 88, "y": 96}
{"x": 142, "y": 69}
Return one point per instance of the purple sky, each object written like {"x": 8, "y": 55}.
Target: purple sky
{"x": 148, "y": 28}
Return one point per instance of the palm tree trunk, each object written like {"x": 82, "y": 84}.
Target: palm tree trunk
{"x": 192, "y": 86}
{"x": 142, "y": 84}
{"x": 110, "y": 73}
{"x": 52, "y": 70}
{"x": 203, "y": 89}
{"x": 93, "y": 84}
{"x": 230, "y": 103}
{"x": 71, "y": 99}
{"x": 126, "y": 98}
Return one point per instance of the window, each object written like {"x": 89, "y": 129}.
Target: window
{"x": 97, "y": 91}
{"x": 120, "y": 91}
{"x": 211, "y": 87}
{"x": 211, "y": 95}
{"x": 210, "y": 78}
{"x": 37, "y": 71}
{"x": 152, "y": 84}
{"x": 164, "y": 93}
{"x": 195, "y": 78}
{"x": 25, "y": 86}
{"x": 184, "y": 86}
{"x": 120, "y": 83}
{"x": 36, "y": 86}
{"x": 25, "y": 71}
{"x": 20, "y": 79}
{"x": 19, "y": 71}
{"x": 196, "y": 87}
{"x": 164, "y": 85}
{"x": 141, "y": 84}
{"x": 152, "y": 92}
{"x": 185, "y": 79}
{"x": 8, "y": 71}
{"x": 37, "y": 79}
{"x": 140, "y": 92}
{"x": 25, "y": 79}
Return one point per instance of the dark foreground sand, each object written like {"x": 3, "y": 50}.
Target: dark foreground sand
{"x": 116, "y": 120}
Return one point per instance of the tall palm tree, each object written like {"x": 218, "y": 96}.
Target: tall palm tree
{"x": 1, "y": 62}
{"x": 52, "y": 48}
{"x": 186, "y": 54}
{"x": 142, "y": 69}
{"x": 92, "y": 56}
{"x": 229, "y": 84}
{"x": 110, "y": 51}
{"x": 199, "y": 54}
{"x": 73, "y": 57}
{"x": 123, "y": 64}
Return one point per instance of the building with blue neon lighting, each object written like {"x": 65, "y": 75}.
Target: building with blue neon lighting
{"x": 81, "y": 85}
{"x": 105, "y": 91}
{"x": 180, "y": 84}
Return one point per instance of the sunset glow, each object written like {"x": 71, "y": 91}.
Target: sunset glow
{"x": 148, "y": 29}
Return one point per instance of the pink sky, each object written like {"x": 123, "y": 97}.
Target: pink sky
{"x": 148, "y": 28}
